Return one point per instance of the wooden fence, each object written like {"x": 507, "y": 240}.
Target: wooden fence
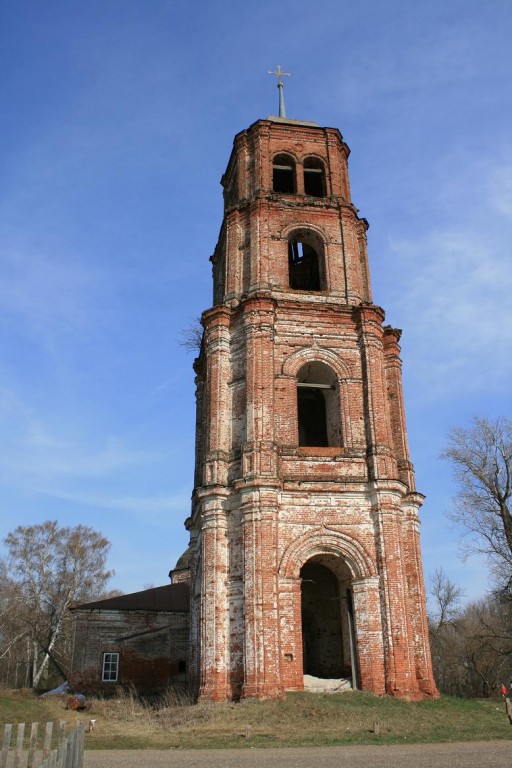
{"x": 24, "y": 753}
{"x": 508, "y": 709}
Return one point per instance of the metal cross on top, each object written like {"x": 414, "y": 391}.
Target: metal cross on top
{"x": 280, "y": 74}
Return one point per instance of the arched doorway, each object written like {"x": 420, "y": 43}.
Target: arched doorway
{"x": 328, "y": 630}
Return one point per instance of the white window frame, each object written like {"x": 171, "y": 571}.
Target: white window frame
{"x": 110, "y": 667}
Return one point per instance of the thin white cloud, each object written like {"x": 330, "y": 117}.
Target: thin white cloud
{"x": 500, "y": 189}
{"x": 48, "y": 294}
{"x": 455, "y": 300}
{"x": 155, "y": 506}
{"x": 386, "y": 72}
{"x": 36, "y": 452}
{"x": 452, "y": 283}
{"x": 13, "y": 409}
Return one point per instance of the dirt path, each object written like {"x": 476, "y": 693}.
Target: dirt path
{"x": 492, "y": 754}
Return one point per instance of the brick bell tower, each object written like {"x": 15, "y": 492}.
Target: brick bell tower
{"x": 304, "y": 528}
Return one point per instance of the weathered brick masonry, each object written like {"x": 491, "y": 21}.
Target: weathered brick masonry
{"x": 304, "y": 528}
{"x": 145, "y": 633}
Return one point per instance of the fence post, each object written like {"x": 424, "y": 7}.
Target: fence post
{"x": 33, "y": 745}
{"x": 6, "y": 744}
{"x": 78, "y": 751}
{"x": 19, "y": 745}
{"x": 81, "y": 744}
{"x": 61, "y": 753}
{"x": 47, "y": 746}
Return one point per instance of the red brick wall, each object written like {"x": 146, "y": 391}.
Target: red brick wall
{"x": 262, "y": 505}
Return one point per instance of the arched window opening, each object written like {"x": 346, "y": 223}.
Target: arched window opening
{"x": 283, "y": 174}
{"x": 306, "y": 263}
{"x": 314, "y": 177}
{"x": 318, "y": 417}
{"x": 303, "y": 266}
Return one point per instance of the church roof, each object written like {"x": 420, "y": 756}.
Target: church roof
{"x": 171, "y": 597}
{"x": 183, "y": 561}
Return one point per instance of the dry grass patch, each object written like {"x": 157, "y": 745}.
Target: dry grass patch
{"x": 23, "y": 706}
{"x": 299, "y": 719}
{"x": 172, "y": 721}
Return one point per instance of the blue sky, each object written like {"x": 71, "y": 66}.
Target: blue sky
{"x": 117, "y": 122}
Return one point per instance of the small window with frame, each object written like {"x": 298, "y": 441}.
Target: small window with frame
{"x": 110, "y": 669}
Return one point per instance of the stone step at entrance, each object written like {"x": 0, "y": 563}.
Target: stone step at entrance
{"x": 327, "y": 685}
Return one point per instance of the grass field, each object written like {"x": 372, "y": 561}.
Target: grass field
{"x": 299, "y": 719}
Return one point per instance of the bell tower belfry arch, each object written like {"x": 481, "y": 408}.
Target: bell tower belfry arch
{"x": 302, "y": 463}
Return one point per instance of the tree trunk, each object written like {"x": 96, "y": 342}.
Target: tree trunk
{"x": 39, "y": 672}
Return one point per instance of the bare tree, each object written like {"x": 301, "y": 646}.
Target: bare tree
{"x": 487, "y": 645}
{"x": 11, "y": 630}
{"x": 191, "y": 337}
{"x": 445, "y": 597}
{"x": 48, "y": 568}
{"x": 444, "y": 627}
{"x": 482, "y": 459}
{"x": 471, "y": 644}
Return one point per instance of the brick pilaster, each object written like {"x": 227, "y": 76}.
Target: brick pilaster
{"x": 214, "y": 629}
{"x": 261, "y": 651}
{"x": 381, "y": 461}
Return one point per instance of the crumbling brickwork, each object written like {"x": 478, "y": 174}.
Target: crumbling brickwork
{"x": 302, "y": 463}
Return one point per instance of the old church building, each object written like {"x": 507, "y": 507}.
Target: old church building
{"x": 304, "y": 528}
{"x": 304, "y": 561}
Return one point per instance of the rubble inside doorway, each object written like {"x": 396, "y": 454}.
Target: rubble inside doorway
{"x": 327, "y": 685}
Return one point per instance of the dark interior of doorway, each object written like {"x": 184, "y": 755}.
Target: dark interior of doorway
{"x": 321, "y": 622}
